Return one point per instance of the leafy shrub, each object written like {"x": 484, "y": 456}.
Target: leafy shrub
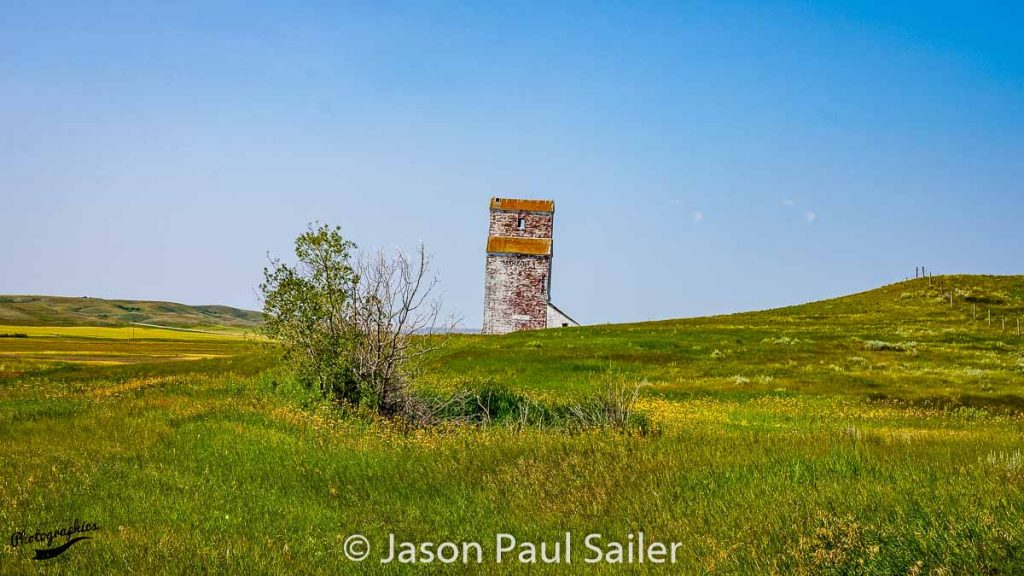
{"x": 613, "y": 406}
{"x": 979, "y": 296}
{"x": 880, "y": 346}
{"x": 354, "y": 330}
{"x": 488, "y": 404}
{"x": 306, "y": 307}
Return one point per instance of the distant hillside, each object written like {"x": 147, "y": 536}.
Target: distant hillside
{"x": 64, "y": 311}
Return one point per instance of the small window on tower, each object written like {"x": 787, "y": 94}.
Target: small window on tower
{"x": 543, "y": 283}
{"x": 522, "y": 223}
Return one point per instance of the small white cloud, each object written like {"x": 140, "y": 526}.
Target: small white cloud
{"x": 674, "y": 201}
{"x": 698, "y": 216}
{"x": 811, "y": 217}
{"x": 788, "y": 202}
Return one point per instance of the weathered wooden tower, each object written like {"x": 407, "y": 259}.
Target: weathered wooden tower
{"x": 517, "y": 286}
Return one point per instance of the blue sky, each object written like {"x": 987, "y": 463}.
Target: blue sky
{"x": 705, "y": 157}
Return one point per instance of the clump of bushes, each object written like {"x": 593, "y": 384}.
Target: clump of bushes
{"x": 14, "y": 335}
{"x": 980, "y": 296}
{"x": 354, "y": 326}
{"x": 612, "y": 406}
{"x": 488, "y": 404}
{"x": 881, "y": 346}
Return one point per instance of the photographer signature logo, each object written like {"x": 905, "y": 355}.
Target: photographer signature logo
{"x": 50, "y": 551}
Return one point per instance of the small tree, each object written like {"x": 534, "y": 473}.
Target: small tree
{"x": 305, "y": 310}
{"x": 397, "y": 322}
{"x": 355, "y": 331}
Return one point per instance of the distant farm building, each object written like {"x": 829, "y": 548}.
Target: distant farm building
{"x": 517, "y": 286}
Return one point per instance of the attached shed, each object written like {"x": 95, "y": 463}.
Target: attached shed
{"x": 559, "y": 319}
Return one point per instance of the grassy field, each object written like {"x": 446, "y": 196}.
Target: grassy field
{"x": 65, "y": 311}
{"x": 879, "y": 433}
{"x": 126, "y": 333}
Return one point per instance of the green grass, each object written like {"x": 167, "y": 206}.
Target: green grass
{"x": 791, "y": 442}
{"x": 934, "y": 353}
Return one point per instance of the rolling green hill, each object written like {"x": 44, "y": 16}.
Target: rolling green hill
{"x": 65, "y": 311}
{"x": 901, "y": 341}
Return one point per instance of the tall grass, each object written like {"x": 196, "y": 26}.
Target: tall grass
{"x": 613, "y": 406}
{"x": 796, "y": 450}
